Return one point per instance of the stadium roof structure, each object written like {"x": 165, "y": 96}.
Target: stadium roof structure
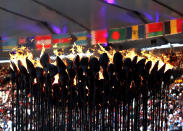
{"x": 33, "y": 17}
{"x": 39, "y": 17}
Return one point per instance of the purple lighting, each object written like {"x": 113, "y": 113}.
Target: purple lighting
{"x": 4, "y": 37}
{"x": 126, "y": 17}
{"x": 102, "y": 16}
{"x": 168, "y": 16}
{"x": 110, "y": 1}
{"x": 64, "y": 30}
{"x": 105, "y": 44}
{"x": 148, "y": 16}
{"x": 103, "y": 11}
{"x": 56, "y": 29}
{"x": 89, "y": 35}
{"x": 157, "y": 17}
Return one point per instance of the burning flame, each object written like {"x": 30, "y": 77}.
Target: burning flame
{"x": 43, "y": 50}
{"x": 75, "y": 50}
{"x": 56, "y": 78}
{"x": 151, "y": 57}
{"x": 23, "y": 53}
{"x": 110, "y": 53}
{"x": 101, "y": 74}
{"x": 131, "y": 53}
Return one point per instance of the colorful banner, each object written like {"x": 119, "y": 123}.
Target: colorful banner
{"x": 31, "y": 42}
{"x": 82, "y": 38}
{"x": 62, "y": 41}
{"x": 27, "y": 42}
{"x": 173, "y": 26}
{"x": 44, "y": 39}
{"x": 99, "y": 37}
{"x": 103, "y": 36}
{"x": 9, "y": 43}
{"x": 22, "y": 41}
{"x": 154, "y": 29}
{"x": 135, "y": 32}
{"x": 141, "y": 31}
{"x": 116, "y": 35}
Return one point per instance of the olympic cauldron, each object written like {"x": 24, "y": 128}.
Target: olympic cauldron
{"x": 110, "y": 91}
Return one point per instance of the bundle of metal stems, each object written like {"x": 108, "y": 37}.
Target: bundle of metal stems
{"x": 130, "y": 96}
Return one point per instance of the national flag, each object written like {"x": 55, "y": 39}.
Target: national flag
{"x": 128, "y": 33}
{"x": 154, "y": 29}
{"x": 44, "y": 39}
{"x": 141, "y": 31}
{"x": 9, "y": 43}
{"x": 116, "y": 35}
{"x": 22, "y": 41}
{"x": 31, "y": 42}
{"x": 26, "y": 41}
{"x": 173, "y": 26}
{"x": 82, "y": 38}
{"x": 62, "y": 41}
{"x": 135, "y": 32}
{"x": 99, "y": 37}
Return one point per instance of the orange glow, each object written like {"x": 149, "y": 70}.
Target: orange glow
{"x": 101, "y": 74}
{"x": 75, "y": 82}
{"x": 23, "y": 53}
{"x": 110, "y": 53}
{"x": 151, "y": 57}
{"x": 56, "y": 78}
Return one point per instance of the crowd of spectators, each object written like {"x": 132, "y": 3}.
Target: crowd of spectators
{"x": 175, "y": 98}
{"x": 175, "y": 58}
{"x": 5, "y": 98}
{"x": 4, "y": 77}
{"x": 175, "y": 107}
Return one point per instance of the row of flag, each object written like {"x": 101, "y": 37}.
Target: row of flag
{"x": 115, "y": 35}
{"x": 62, "y": 41}
{"x": 137, "y": 32}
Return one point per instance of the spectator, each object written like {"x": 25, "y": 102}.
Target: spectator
{"x": 9, "y": 122}
{"x": 175, "y": 110}
{"x": 5, "y": 125}
{"x": 182, "y": 123}
{"x": 5, "y": 87}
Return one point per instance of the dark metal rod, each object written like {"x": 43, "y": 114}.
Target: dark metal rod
{"x": 12, "y": 89}
{"x": 137, "y": 13}
{"x": 44, "y": 23}
{"x": 96, "y": 111}
{"x": 61, "y": 14}
{"x": 18, "y": 14}
{"x": 168, "y": 7}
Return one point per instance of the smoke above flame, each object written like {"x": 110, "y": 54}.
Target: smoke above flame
{"x": 23, "y": 53}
